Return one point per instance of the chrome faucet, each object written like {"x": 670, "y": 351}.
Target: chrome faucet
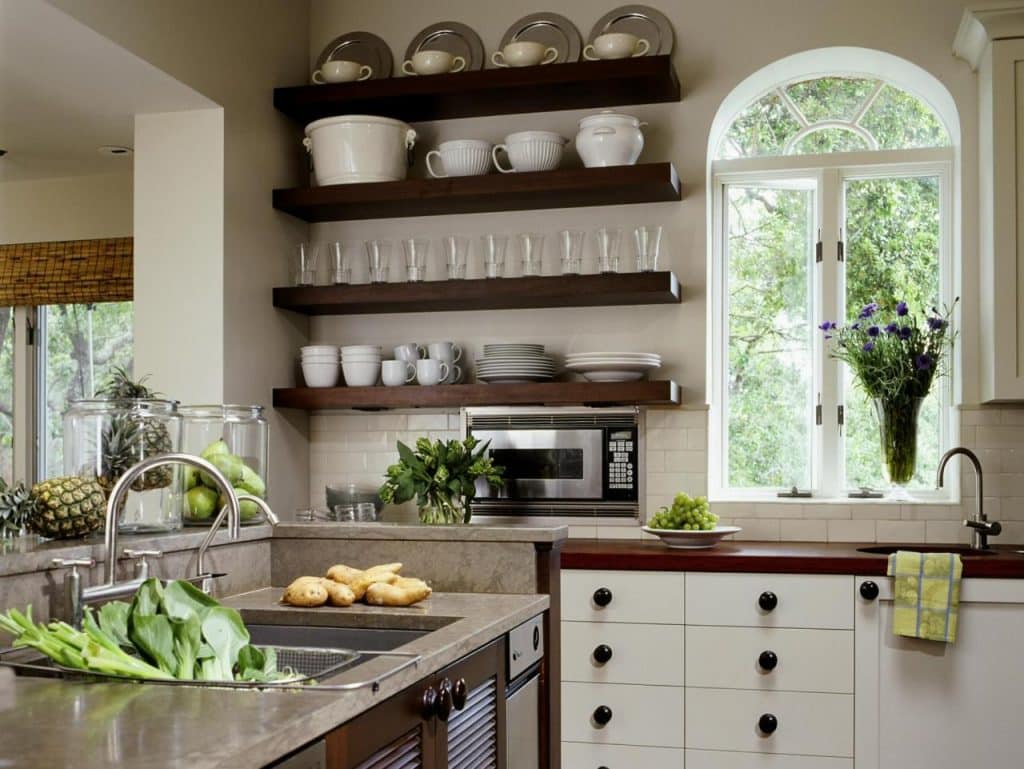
{"x": 981, "y": 527}
{"x": 201, "y": 573}
{"x": 110, "y": 588}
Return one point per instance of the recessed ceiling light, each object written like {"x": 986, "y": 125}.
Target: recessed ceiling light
{"x": 114, "y": 150}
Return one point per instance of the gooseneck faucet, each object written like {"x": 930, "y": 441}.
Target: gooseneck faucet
{"x": 981, "y": 527}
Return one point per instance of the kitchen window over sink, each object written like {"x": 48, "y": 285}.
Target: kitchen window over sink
{"x": 829, "y": 191}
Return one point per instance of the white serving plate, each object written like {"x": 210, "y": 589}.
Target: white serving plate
{"x": 692, "y": 540}
{"x": 613, "y": 376}
{"x": 506, "y": 347}
{"x": 606, "y": 365}
{"x": 514, "y": 369}
{"x": 514, "y": 359}
{"x": 616, "y": 355}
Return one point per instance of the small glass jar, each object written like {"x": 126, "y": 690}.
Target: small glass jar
{"x": 236, "y": 439}
{"x": 105, "y": 438}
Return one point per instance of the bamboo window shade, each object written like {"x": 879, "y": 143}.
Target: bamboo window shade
{"x": 66, "y": 272}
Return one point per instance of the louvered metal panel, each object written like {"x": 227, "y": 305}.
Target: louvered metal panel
{"x": 404, "y": 753}
{"x": 473, "y": 731}
{"x": 542, "y": 421}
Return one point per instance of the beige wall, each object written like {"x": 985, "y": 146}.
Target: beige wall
{"x": 74, "y": 208}
{"x": 235, "y": 52}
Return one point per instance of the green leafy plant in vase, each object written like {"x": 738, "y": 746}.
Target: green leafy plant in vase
{"x": 895, "y": 363}
{"x": 442, "y": 476}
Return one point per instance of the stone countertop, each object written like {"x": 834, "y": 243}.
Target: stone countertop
{"x": 144, "y": 726}
{"x": 423, "y": 533}
{"x": 772, "y": 557}
{"x": 30, "y": 554}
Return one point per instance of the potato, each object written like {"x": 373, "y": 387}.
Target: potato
{"x": 306, "y": 592}
{"x": 412, "y": 583}
{"x": 343, "y": 574}
{"x": 337, "y": 593}
{"x": 362, "y": 583}
{"x": 383, "y": 594}
{"x": 394, "y": 568}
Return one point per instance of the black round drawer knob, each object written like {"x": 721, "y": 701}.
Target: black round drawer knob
{"x": 767, "y": 660}
{"x": 602, "y": 596}
{"x": 602, "y": 715}
{"x": 767, "y": 600}
{"x": 602, "y": 654}
{"x": 767, "y": 723}
{"x": 868, "y": 590}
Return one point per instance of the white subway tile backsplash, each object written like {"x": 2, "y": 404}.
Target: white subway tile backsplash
{"x": 757, "y": 529}
{"x": 666, "y": 439}
{"x": 946, "y": 532}
{"x": 423, "y": 422}
{"x": 900, "y": 531}
{"x": 685, "y": 462}
{"x": 655, "y": 461}
{"x": 880, "y": 512}
{"x": 803, "y": 531}
{"x": 851, "y": 531}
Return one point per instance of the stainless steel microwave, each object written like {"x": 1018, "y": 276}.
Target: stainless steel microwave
{"x": 560, "y": 462}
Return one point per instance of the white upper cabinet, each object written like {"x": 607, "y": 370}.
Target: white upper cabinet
{"x": 991, "y": 40}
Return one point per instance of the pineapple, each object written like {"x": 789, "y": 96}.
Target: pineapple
{"x": 59, "y": 508}
{"x": 132, "y": 437}
{"x": 12, "y": 508}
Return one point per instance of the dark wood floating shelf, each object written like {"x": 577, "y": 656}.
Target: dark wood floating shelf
{"x": 569, "y": 188}
{"x": 663, "y": 393}
{"x": 630, "y": 288}
{"x": 579, "y": 85}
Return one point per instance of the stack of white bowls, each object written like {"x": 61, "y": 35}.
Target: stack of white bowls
{"x": 361, "y": 364}
{"x": 320, "y": 365}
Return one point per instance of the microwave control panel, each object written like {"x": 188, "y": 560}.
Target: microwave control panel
{"x": 621, "y": 451}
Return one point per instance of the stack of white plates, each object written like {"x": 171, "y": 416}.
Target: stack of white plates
{"x": 612, "y": 366}
{"x": 513, "y": 362}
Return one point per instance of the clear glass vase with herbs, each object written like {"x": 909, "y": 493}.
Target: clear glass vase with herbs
{"x": 895, "y": 359}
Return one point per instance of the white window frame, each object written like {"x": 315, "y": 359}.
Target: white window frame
{"x": 829, "y": 172}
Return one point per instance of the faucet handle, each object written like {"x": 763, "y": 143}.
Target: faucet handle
{"x": 990, "y": 528}
{"x": 142, "y": 569}
{"x": 73, "y": 563}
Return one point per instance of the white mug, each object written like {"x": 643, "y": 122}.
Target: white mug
{"x": 433, "y": 63}
{"x": 616, "y": 45}
{"x": 430, "y": 371}
{"x": 461, "y": 157}
{"x": 524, "y": 53}
{"x": 342, "y": 71}
{"x": 395, "y": 373}
{"x": 410, "y": 351}
{"x": 449, "y": 352}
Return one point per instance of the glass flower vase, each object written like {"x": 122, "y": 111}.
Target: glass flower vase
{"x": 897, "y": 429}
{"x": 441, "y": 509}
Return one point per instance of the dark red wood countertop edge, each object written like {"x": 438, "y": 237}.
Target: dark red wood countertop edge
{"x": 766, "y": 557}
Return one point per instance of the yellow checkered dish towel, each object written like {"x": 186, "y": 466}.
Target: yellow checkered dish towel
{"x": 926, "y": 594}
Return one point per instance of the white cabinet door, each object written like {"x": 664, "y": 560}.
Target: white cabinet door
{"x": 639, "y": 715}
{"x": 789, "y": 600}
{"x": 622, "y": 596}
{"x": 579, "y": 755}
{"x": 928, "y": 704}
{"x": 640, "y": 654}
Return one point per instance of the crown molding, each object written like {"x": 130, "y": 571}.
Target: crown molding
{"x": 980, "y": 25}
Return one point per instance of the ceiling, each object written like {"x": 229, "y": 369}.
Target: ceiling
{"x": 66, "y": 90}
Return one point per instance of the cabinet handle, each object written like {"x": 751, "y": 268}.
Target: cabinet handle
{"x": 459, "y": 694}
{"x": 428, "y": 703}
{"x": 602, "y": 596}
{"x": 602, "y": 715}
{"x": 868, "y": 590}
{"x": 767, "y": 660}
{"x": 767, "y": 723}
{"x": 767, "y": 600}
{"x": 444, "y": 700}
{"x": 602, "y": 654}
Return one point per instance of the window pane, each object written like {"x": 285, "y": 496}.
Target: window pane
{"x": 761, "y": 129}
{"x": 7, "y": 394}
{"x": 769, "y": 369}
{"x": 899, "y": 120}
{"x": 83, "y": 344}
{"x": 830, "y": 98}
{"x": 824, "y": 140}
{"x": 893, "y": 245}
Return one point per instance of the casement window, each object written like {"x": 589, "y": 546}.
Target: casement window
{"x": 827, "y": 193}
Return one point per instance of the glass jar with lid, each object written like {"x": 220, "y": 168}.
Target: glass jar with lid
{"x": 236, "y": 439}
{"x": 104, "y": 438}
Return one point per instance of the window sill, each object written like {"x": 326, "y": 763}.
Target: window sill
{"x": 771, "y": 499}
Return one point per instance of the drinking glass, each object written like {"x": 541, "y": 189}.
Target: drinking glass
{"x": 608, "y": 239}
{"x": 531, "y": 244}
{"x": 378, "y": 257}
{"x": 493, "y": 247}
{"x": 648, "y": 246}
{"x": 416, "y": 250}
{"x": 456, "y": 248}
{"x": 570, "y": 243}
{"x": 303, "y": 264}
{"x": 341, "y": 270}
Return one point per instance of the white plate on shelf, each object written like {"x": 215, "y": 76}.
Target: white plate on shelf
{"x": 606, "y": 365}
{"x": 612, "y": 376}
{"x": 692, "y": 540}
{"x": 643, "y": 355}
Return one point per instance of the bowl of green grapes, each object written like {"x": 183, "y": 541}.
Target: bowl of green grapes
{"x": 688, "y": 524}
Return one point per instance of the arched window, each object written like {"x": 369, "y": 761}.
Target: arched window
{"x": 831, "y": 177}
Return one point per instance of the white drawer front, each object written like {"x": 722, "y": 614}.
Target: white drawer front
{"x": 636, "y": 596}
{"x": 641, "y": 715}
{"x": 717, "y": 759}
{"x": 805, "y": 660}
{"x": 808, "y": 724}
{"x": 640, "y": 654}
{"x": 579, "y": 755}
{"x": 819, "y": 601}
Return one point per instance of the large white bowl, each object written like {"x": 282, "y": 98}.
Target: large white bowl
{"x": 361, "y": 373}
{"x": 692, "y": 540}
{"x": 321, "y": 374}
{"x": 315, "y": 348}
{"x": 359, "y": 148}
{"x": 361, "y": 348}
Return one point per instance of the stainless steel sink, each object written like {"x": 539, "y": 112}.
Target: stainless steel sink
{"x": 959, "y": 549}
{"x": 312, "y": 637}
